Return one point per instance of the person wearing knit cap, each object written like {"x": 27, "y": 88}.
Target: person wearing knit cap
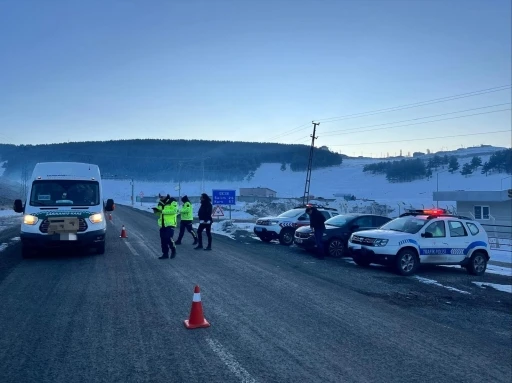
{"x": 186, "y": 219}
{"x": 205, "y": 222}
{"x": 166, "y": 210}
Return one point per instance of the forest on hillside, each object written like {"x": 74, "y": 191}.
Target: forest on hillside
{"x": 168, "y": 160}
{"x": 407, "y": 170}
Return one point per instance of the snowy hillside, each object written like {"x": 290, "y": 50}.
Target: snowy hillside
{"x": 345, "y": 179}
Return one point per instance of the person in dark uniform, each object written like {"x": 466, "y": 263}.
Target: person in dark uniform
{"x": 205, "y": 222}
{"x": 317, "y": 224}
{"x": 187, "y": 216}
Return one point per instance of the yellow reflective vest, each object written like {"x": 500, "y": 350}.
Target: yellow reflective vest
{"x": 187, "y": 213}
{"x": 167, "y": 212}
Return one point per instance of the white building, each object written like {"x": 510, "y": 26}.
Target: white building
{"x": 493, "y": 209}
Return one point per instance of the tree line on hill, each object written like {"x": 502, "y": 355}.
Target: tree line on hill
{"x": 168, "y": 160}
{"x": 407, "y": 170}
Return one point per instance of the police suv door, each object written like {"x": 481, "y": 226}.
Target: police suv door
{"x": 433, "y": 242}
{"x": 459, "y": 241}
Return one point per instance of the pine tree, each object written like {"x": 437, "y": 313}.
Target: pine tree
{"x": 486, "y": 168}
{"x": 476, "y": 162}
{"x": 453, "y": 166}
{"x": 467, "y": 169}
{"x": 283, "y": 167}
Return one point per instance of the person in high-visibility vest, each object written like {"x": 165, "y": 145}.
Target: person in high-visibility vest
{"x": 167, "y": 211}
{"x": 186, "y": 219}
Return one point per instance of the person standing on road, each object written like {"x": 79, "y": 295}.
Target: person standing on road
{"x": 167, "y": 210}
{"x": 187, "y": 216}
{"x": 317, "y": 224}
{"x": 205, "y": 221}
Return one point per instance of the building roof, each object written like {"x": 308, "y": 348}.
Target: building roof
{"x": 472, "y": 196}
{"x": 258, "y": 188}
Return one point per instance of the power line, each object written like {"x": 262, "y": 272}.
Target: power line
{"x": 304, "y": 126}
{"x": 424, "y": 139}
{"x": 397, "y": 108}
{"x": 417, "y": 123}
{"x": 417, "y": 104}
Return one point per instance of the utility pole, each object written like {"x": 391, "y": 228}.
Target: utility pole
{"x": 179, "y": 181}
{"x": 133, "y": 192}
{"x": 202, "y": 182}
{"x": 305, "y": 199}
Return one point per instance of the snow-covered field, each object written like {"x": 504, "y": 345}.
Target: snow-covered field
{"x": 346, "y": 179}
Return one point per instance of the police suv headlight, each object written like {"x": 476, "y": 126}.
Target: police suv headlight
{"x": 96, "y": 218}
{"x": 380, "y": 242}
{"x": 273, "y": 223}
{"x": 30, "y": 219}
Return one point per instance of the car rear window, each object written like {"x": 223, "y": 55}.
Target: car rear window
{"x": 473, "y": 228}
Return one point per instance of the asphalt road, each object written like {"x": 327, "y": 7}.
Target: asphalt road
{"x": 276, "y": 314}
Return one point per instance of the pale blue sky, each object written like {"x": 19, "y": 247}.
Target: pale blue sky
{"x": 251, "y": 70}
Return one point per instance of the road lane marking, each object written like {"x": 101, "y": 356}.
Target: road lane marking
{"x": 436, "y": 283}
{"x": 230, "y": 361}
{"x": 132, "y": 249}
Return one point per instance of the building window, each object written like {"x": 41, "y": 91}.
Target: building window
{"x": 482, "y": 212}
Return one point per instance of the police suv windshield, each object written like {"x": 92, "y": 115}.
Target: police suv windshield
{"x": 291, "y": 213}
{"x": 409, "y": 225}
{"x": 65, "y": 193}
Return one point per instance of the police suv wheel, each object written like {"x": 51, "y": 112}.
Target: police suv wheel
{"x": 406, "y": 262}
{"x": 477, "y": 264}
{"x": 336, "y": 248}
{"x": 286, "y": 237}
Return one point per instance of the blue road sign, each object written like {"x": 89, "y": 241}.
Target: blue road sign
{"x": 224, "y": 197}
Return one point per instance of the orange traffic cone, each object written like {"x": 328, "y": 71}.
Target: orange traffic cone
{"x": 123, "y": 233}
{"x": 196, "y": 319}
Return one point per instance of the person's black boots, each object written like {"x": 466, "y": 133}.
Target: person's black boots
{"x": 164, "y": 256}
{"x": 209, "y": 247}
{"x": 195, "y": 238}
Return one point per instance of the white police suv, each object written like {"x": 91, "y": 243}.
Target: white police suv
{"x": 284, "y": 225}
{"x": 423, "y": 236}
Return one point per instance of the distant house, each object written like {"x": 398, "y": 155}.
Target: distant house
{"x": 257, "y": 192}
{"x": 490, "y": 208}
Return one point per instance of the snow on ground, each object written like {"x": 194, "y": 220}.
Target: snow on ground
{"x": 8, "y": 222}
{"x": 433, "y": 282}
{"x": 8, "y": 213}
{"x": 505, "y": 288}
{"x": 346, "y": 179}
{"x": 504, "y": 255}
{"x": 2, "y": 169}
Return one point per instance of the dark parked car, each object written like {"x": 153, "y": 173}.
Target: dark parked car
{"x": 337, "y": 232}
